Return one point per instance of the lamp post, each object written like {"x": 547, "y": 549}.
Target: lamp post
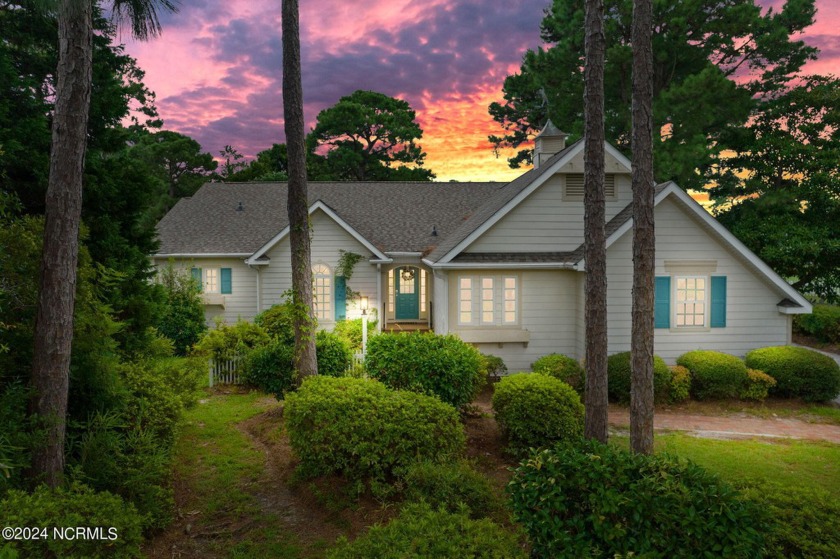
{"x": 364, "y": 305}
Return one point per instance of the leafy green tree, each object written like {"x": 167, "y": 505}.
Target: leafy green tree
{"x": 180, "y": 160}
{"x": 367, "y": 136}
{"x": 712, "y": 57}
{"x": 232, "y": 162}
{"x": 779, "y": 192}
{"x": 182, "y": 319}
{"x": 270, "y": 165}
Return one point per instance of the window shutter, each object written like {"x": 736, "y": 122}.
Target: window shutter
{"x": 662, "y": 302}
{"x": 718, "y": 308}
{"x": 227, "y": 287}
{"x": 196, "y": 275}
{"x": 340, "y": 298}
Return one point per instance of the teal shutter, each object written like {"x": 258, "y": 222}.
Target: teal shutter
{"x": 196, "y": 275}
{"x": 340, "y": 298}
{"x": 718, "y": 309}
{"x": 662, "y": 302}
{"x": 226, "y": 281}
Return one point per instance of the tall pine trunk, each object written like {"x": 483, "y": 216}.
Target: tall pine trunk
{"x": 57, "y": 293}
{"x": 595, "y": 251}
{"x": 644, "y": 242}
{"x": 298, "y": 204}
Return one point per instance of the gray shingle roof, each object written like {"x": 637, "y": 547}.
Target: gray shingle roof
{"x": 514, "y": 257}
{"x": 394, "y": 216}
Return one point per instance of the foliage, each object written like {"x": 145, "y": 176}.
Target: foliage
{"x": 428, "y": 363}
{"x": 420, "y": 531}
{"x": 450, "y": 486}
{"x": 680, "y": 384}
{"x": 333, "y": 353}
{"x": 226, "y": 340}
{"x": 799, "y": 372}
{"x": 71, "y": 508}
{"x": 182, "y": 318}
{"x": 758, "y": 385}
{"x": 823, "y": 323}
{"x": 277, "y": 320}
{"x": 619, "y": 373}
{"x": 803, "y": 522}
{"x": 562, "y": 368}
{"x": 271, "y": 164}
{"x": 369, "y": 137}
{"x": 351, "y": 332}
{"x": 270, "y": 368}
{"x": 362, "y": 429}
{"x": 494, "y": 366}
{"x": 593, "y": 500}
{"x": 516, "y": 399}
{"x": 714, "y": 374}
{"x": 779, "y": 190}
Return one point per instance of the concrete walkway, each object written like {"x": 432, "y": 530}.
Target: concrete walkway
{"x": 733, "y": 427}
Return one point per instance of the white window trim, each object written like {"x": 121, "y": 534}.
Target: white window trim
{"x": 477, "y": 298}
{"x": 706, "y": 308}
{"x": 204, "y": 280}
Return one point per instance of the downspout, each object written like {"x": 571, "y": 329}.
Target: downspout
{"x": 379, "y": 306}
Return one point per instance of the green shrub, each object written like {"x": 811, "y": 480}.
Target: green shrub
{"x": 537, "y": 410}
{"x": 420, "y": 531}
{"x": 799, "y": 372}
{"x": 360, "y": 428}
{"x": 562, "y": 368}
{"x": 351, "y": 332}
{"x": 334, "y": 355}
{"x": 278, "y": 321}
{"x": 450, "y": 486}
{"x": 427, "y": 363}
{"x": 182, "y": 316}
{"x": 153, "y": 406}
{"x": 78, "y": 506}
{"x": 714, "y": 375}
{"x": 619, "y": 373}
{"x": 680, "y": 384}
{"x": 493, "y": 366}
{"x": 594, "y": 500}
{"x": 803, "y": 522}
{"x": 823, "y": 323}
{"x": 757, "y": 386}
{"x": 185, "y": 376}
{"x": 270, "y": 368}
{"x": 227, "y": 341}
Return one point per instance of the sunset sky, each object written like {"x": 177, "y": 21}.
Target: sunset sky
{"x": 216, "y": 68}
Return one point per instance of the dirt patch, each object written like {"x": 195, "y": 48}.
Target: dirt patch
{"x": 810, "y": 341}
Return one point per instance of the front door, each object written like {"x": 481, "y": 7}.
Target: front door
{"x": 407, "y": 293}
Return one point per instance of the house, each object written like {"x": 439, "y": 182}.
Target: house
{"x": 499, "y": 264}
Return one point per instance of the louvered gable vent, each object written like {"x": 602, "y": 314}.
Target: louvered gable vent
{"x": 574, "y": 185}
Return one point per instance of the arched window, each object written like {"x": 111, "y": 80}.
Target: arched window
{"x": 322, "y": 277}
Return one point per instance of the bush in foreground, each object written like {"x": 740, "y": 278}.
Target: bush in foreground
{"x": 450, "y": 486}
{"x": 595, "y": 500}
{"x": 333, "y": 354}
{"x": 799, "y": 372}
{"x": 562, "y": 368}
{"x": 714, "y": 375}
{"x": 69, "y": 508}
{"x": 619, "y": 373}
{"x": 427, "y": 363}
{"x": 536, "y": 410}
{"x": 680, "y": 384}
{"x": 360, "y": 428}
{"x": 420, "y": 531}
{"x": 758, "y": 385}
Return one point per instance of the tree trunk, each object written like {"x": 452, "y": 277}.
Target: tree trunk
{"x": 595, "y": 251}
{"x": 644, "y": 242}
{"x": 57, "y": 293}
{"x": 298, "y": 204}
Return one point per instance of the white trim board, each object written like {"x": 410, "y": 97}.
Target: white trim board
{"x": 318, "y": 205}
{"x": 203, "y": 255}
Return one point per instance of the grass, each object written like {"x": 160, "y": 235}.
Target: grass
{"x": 791, "y": 463}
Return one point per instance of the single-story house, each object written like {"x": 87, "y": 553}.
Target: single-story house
{"x": 499, "y": 264}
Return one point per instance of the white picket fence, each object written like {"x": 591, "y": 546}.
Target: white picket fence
{"x": 225, "y": 371}
{"x": 358, "y": 359}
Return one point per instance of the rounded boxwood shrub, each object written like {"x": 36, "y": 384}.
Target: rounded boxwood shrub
{"x": 680, "y": 384}
{"x": 758, "y": 385}
{"x": 562, "y": 368}
{"x": 594, "y": 500}
{"x": 450, "y": 486}
{"x": 714, "y": 375}
{"x": 78, "y": 506}
{"x": 420, "y": 531}
{"x": 270, "y": 368}
{"x": 278, "y": 321}
{"x": 360, "y": 428}
{"x": 799, "y": 372}
{"x": 427, "y": 363}
{"x": 536, "y": 410}
{"x": 619, "y": 373}
{"x": 823, "y": 323}
{"x": 333, "y": 354}
{"x": 494, "y": 366}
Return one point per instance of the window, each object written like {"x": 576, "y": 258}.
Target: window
{"x": 487, "y": 300}
{"x": 214, "y": 280}
{"x": 211, "y": 280}
{"x": 422, "y": 291}
{"x": 322, "y": 278}
{"x": 690, "y": 302}
{"x": 391, "y": 292}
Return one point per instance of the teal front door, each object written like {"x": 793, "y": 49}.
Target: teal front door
{"x": 407, "y": 293}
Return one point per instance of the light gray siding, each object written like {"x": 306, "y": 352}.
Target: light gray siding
{"x": 752, "y": 319}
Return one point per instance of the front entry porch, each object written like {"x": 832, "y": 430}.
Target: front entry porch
{"x": 408, "y": 305}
